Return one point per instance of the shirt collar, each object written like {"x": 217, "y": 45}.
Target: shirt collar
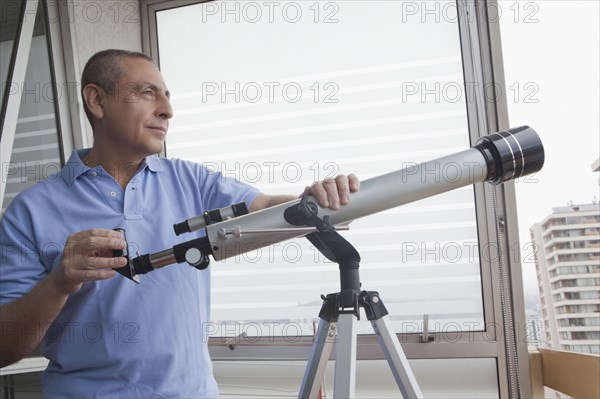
{"x": 75, "y": 166}
{"x": 153, "y": 163}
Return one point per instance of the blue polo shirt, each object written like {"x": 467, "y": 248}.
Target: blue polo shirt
{"x": 115, "y": 338}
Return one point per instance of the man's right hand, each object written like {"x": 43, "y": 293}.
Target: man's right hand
{"x": 88, "y": 256}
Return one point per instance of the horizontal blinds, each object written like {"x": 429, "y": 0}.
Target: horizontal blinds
{"x": 297, "y": 102}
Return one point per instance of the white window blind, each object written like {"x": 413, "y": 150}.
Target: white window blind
{"x": 282, "y": 94}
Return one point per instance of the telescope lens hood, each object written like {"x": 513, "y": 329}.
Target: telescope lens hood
{"x": 511, "y": 153}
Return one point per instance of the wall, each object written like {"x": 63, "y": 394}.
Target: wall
{"x": 101, "y": 24}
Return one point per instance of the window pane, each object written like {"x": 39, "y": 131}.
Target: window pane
{"x": 282, "y": 95}
{"x": 36, "y": 153}
{"x": 437, "y": 378}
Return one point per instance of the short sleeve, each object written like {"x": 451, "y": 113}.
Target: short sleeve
{"x": 21, "y": 266}
{"x": 219, "y": 191}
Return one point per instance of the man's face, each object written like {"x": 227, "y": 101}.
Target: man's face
{"x": 136, "y": 117}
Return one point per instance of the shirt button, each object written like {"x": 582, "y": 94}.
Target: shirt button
{"x": 113, "y": 193}
{"x": 94, "y": 173}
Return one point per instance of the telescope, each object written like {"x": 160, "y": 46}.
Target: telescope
{"x": 231, "y": 231}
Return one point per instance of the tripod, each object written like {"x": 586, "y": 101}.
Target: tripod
{"x": 338, "y": 313}
{"x": 342, "y": 326}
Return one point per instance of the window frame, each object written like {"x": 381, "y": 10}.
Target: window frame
{"x": 502, "y": 286}
{"x": 16, "y": 73}
{"x": 66, "y": 135}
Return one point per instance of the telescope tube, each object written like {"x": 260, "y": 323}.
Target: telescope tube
{"x": 495, "y": 158}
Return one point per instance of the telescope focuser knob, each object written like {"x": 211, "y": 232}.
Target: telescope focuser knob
{"x": 194, "y": 257}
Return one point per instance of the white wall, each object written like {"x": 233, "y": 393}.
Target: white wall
{"x": 102, "y": 24}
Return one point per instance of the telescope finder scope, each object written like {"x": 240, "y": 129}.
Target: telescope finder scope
{"x": 210, "y": 217}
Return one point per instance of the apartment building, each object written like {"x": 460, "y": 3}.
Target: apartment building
{"x": 568, "y": 272}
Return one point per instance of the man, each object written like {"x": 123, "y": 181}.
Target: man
{"x": 104, "y": 336}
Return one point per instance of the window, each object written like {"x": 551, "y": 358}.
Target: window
{"x": 339, "y": 89}
{"x": 578, "y": 309}
{"x": 361, "y": 101}
{"x": 10, "y": 23}
{"x": 32, "y": 138}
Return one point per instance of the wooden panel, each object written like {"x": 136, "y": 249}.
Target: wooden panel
{"x": 536, "y": 373}
{"x": 574, "y": 374}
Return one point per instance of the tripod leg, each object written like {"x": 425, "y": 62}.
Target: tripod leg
{"x": 319, "y": 356}
{"x": 345, "y": 357}
{"x": 396, "y": 358}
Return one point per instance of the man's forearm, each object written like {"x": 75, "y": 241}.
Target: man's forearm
{"x": 329, "y": 193}
{"x": 263, "y": 201}
{"x": 24, "y": 322}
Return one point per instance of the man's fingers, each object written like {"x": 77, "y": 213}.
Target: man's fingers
{"x": 353, "y": 182}
{"x": 96, "y": 233}
{"x": 94, "y": 242}
{"x": 101, "y": 246}
{"x": 104, "y": 263}
{"x": 88, "y": 256}
{"x": 332, "y": 193}
{"x": 319, "y": 192}
{"x": 343, "y": 189}
{"x": 94, "y": 275}
{"x": 331, "y": 188}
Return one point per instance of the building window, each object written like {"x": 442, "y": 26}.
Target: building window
{"x": 585, "y": 335}
{"x": 31, "y": 135}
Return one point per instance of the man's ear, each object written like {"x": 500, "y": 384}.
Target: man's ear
{"x": 93, "y": 95}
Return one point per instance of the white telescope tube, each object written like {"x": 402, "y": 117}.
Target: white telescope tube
{"x": 495, "y": 158}
{"x": 375, "y": 195}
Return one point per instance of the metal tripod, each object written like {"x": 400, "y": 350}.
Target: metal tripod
{"x": 337, "y": 324}
{"x": 338, "y": 313}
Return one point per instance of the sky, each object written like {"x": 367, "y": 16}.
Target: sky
{"x": 551, "y": 61}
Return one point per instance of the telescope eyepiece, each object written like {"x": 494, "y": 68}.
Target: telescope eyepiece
{"x": 511, "y": 153}
{"x": 181, "y": 228}
{"x": 142, "y": 264}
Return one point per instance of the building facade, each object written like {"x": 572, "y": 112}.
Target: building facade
{"x": 568, "y": 271}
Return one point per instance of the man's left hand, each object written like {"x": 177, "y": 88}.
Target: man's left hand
{"x": 329, "y": 193}
{"x": 333, "y": 193}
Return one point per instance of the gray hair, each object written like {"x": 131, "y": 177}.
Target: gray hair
{"x": 105, "y": 69}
